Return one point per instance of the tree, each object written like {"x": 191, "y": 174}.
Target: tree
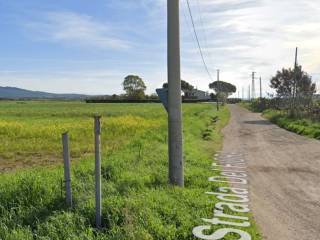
{"x": 223, "y": 87}
{"x": 134, "y": 87}
{"x": 185, "y": 86}
{"x": 295, "y": 88}
{"x": 284, "y": 83}
{"x": 223, "y": 90}
{"x": 114, "y": 96}
{"x": 213, "y": 96}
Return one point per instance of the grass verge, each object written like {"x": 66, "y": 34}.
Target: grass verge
{"x": 304, "y": 127}
{"x": 301, "y": 126}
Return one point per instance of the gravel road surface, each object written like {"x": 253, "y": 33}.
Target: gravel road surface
{"x": 284, "y": 175}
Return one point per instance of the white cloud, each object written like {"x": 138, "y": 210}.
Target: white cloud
{"x": 237, "y": 36}
{"x": 254, "y": 35}
{"x": 76, "y": 29}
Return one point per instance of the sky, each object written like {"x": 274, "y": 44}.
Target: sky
{"x": 78, "y": 46}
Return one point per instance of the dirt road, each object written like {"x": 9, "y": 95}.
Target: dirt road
{"x": 284, "y": 176}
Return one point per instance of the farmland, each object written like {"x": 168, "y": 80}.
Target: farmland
{"x": 35, "y": 129}
{"x": 137, "y": 201}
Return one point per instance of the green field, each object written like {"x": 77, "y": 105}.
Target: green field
{"x": 137, "y": 201}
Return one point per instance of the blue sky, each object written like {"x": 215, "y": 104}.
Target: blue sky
{"x": 90, "y": 46}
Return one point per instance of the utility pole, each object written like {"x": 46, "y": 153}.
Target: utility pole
{"x": 249, "y": 98}
{"x": 260, "y": 89}
{"x": 294, "y": 94}
{"x": 253, "y": 87}
{"x": 218, "y": 78}
{"x": 176, "y": 176}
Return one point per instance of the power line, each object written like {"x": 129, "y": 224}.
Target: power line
{"x": 204, "y": 30}
{"x": 199, "y": 46}
{"x": 188, "y": 23}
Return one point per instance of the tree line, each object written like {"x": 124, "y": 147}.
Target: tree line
{"x": 135, "y": 90}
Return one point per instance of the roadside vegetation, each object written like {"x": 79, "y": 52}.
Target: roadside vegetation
{"x": 295, "y": 106}
{"x": 137, "y": 201}
{"x": 302, "y": 126}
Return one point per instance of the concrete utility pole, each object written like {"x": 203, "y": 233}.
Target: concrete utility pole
{"x": 253, "y": 95}
{"x": 295, "y": 80}
{"x": 218, "y": 79}
{"x": 249, "y": 98}
{"x": 295, "y": 71}
{"x": 260, "y": 88}
{"x": 97, "y": 133}
{"x": 176, "y": 175}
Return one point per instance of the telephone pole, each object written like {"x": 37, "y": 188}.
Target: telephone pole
{"x": 249, "y": 98}
{"x": 295, "y": 80}
{"x": 176, "y": 176}
{"x": 253, "y": 87}
{"x": 218, "y": 78}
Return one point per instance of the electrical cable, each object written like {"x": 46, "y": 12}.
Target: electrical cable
{"x": 198, "y": 43}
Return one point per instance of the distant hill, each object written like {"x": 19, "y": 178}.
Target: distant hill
{"x": 18, "y": 93}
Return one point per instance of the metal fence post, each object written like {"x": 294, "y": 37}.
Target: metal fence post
{"x": 97, "y": 133}
{"x": 67, "y": 175}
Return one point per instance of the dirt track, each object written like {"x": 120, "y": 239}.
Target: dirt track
{"x": 284, "y": 175}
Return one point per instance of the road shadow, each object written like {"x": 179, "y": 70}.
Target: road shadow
{"x": 279, "y": 170}
{"x": 258, "y": 122}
